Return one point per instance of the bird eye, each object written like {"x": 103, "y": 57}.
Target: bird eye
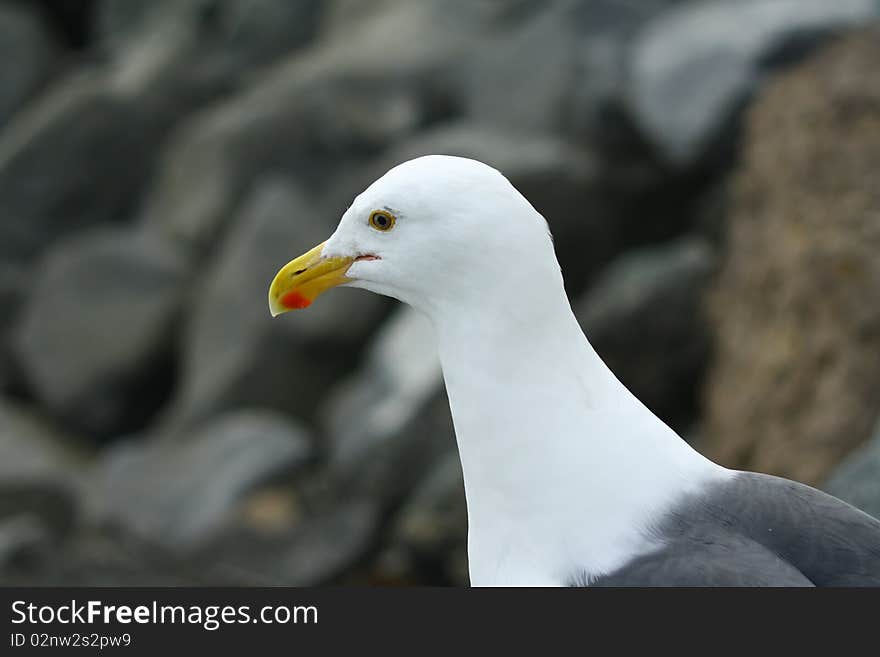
{"x": 381, "y": 220}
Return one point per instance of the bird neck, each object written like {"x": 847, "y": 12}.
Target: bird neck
{"x": 551, "y": 443}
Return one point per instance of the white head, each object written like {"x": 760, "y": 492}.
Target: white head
{"x": 432, "y": 231}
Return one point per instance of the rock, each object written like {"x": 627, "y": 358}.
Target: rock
{"x": 77, "y": 158}
{"x": 181, "y": 494}
{"x": 320, "y": 550}
{"x": 23, "y": 538}
{"x": 534, "y": 60}
{"x": 596, "y": 114}
{"x": 857, "y": 479}
{"x": 794, "y": 385}
{"x": 694, "y": 67}
{"x": 26, "y": 58}
{"x": 315, "y": 115}
{"x": 94, "y": 340}
{"x": 429, "y": 534}
{"x": 560, "y": 180}
{"x": 39, "y": 472}
{"x": 11, "y": 293}
{"x": 234, "y": 352}
{"x": 228, "y": 35}
{"x": 390, "y": 421}
{"x": 643, "y": 316}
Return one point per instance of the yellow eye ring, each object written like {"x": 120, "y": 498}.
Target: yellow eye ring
{"x": 382, "y": 220}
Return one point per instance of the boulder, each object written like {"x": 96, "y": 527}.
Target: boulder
{"x": 315, "y": 114}
{"x": 794, "y": 384}
{"x": 227, "y": 35}
{"x": 77, "y": 158}
{"x": 94, "y": 339}
{"x": 181, "y": 494}
{"x": 389, "y": 422}
{"x": 692, "y": 68}
{"x": 643, "y": 316}
{"x": 41, "y": 473}
{"x": 429, "y": 534}
{"x": 322, "y": 548}
{"x": 26, "y": 58}
{"x": 234, "y": 352}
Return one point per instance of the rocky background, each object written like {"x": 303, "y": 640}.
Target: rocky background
{"x": 709, "y": 169}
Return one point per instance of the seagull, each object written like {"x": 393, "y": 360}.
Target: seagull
{"x": 569, "y": 479}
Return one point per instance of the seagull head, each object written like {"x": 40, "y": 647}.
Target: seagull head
{"x": 433, "y": 232}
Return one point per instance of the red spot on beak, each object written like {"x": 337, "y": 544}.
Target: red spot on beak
{"x": 295, "y": 300}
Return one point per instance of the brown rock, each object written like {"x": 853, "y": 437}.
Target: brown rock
{"x": 796, "y": 380}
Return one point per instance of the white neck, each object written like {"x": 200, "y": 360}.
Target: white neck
{"x": 563, "y": 467}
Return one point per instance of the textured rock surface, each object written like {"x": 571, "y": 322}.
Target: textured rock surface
{"x": 26, "y": 58}
{"x": 94, "y": 338}
{"x": 40, "y": 476}
{"x": 796, "y": 381}
{"x": 388, "y": 423}
{"x": 693, "y": 68}
{"x": 643, "y": 316}
{"x": 177, "y": 494}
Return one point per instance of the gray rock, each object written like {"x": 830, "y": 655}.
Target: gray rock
{"x": 228, "y": 35}
{"x": 77, "y": 158}
{"x": 429, "y": 533}
{"x": 234, "y": 352}
{"x": 94, "y": 338}
{"x": 320, "y": 549}
{"x": 693, "y": 68}
{"x": 179, "y": 494}
{"x": 390, "y": 421}
{"x": 40, "y": 470}
{"x": 316, "y": 114}
{"x": 26, "y": 58}
{"x": 595, "y": 114}
{"x": 23, "y": 537}
{"x": 11, "y": 294}
{"x": 644, "y": 318}
{"x": 521, "y": 77}
{"x": 857, "y": 479}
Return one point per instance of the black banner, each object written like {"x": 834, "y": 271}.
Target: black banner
{"x": 319, "y": 621}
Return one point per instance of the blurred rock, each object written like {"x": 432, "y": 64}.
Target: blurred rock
{"x": 94, "y": 338}
{"x": 77, "y": 158}
{"x": 39, "y": 473}
{"x": 857, "y": 479}
{"x": 429, "y": 534}
{"x": 389, "y": 423}
{"x": 605, "y": 30}
{"x": 795, "y": 383}
{"x": 693, "y": 68}
{"x": 181, "y": 494}
{"x": 533, "y": 59}
{"x": 643, "y": 316}
{"x": 225, "y": 39}
{"x": 26, "y": 58}
{"x": 234, "y": 352}
{"x": 24, "y": 538}
{"x": 320, "y": 550}
{"x": 314, "y": 115}
{"x": 11, "y": 292}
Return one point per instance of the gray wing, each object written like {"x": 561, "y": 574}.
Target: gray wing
{"x": 759, "y": 530}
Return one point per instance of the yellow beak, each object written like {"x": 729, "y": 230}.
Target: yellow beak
{"x": 300, "y": 281}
